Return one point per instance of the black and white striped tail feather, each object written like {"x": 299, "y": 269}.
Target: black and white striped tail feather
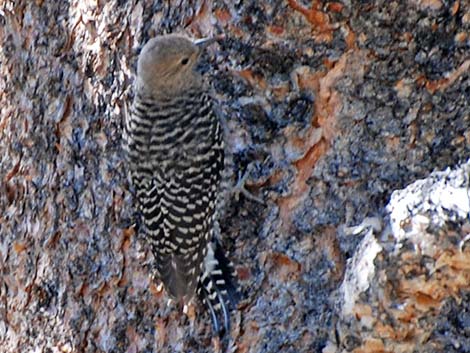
{"x": 218, "y": 288}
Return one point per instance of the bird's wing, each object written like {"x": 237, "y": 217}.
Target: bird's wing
{"x": 188, "y": 207}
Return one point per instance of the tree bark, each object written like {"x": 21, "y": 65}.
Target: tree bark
{"x": 328, "y": 107}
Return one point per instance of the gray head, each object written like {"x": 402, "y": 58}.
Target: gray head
{"x": 166, "y": 64}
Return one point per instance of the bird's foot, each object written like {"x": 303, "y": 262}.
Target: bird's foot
{"x": 240, "y": 188}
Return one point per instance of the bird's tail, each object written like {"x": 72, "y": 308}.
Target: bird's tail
{"x": 218, "y": 288}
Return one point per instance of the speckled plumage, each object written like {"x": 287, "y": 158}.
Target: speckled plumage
{"x": 176, "y": 158}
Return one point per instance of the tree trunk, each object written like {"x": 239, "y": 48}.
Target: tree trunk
{"x": 328, "y": 107}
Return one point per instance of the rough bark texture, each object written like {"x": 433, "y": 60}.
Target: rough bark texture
{"x": 329, "y": 106}
{"x": 406, "y": 289}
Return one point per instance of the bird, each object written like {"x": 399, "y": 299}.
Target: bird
{"x": 175, "y": 155}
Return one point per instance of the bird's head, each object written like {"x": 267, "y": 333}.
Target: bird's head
{"x": 166, "y": 64}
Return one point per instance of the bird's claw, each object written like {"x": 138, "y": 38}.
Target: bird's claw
{"x": 241, "y": 189}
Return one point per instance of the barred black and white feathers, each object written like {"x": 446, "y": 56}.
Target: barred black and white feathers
{"x": 218, "y": 287}
{"x": 176, "y": 157}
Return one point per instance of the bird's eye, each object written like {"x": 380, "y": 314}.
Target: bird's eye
{"x": 184, "y": 61}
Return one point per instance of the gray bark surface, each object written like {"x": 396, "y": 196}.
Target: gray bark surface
{"x": 329, "y": 107}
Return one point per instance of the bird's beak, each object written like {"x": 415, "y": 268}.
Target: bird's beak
{"x": 205, "y": 42}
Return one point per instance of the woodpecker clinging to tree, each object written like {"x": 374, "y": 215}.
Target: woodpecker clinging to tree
{"x": 175, "y": 154}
